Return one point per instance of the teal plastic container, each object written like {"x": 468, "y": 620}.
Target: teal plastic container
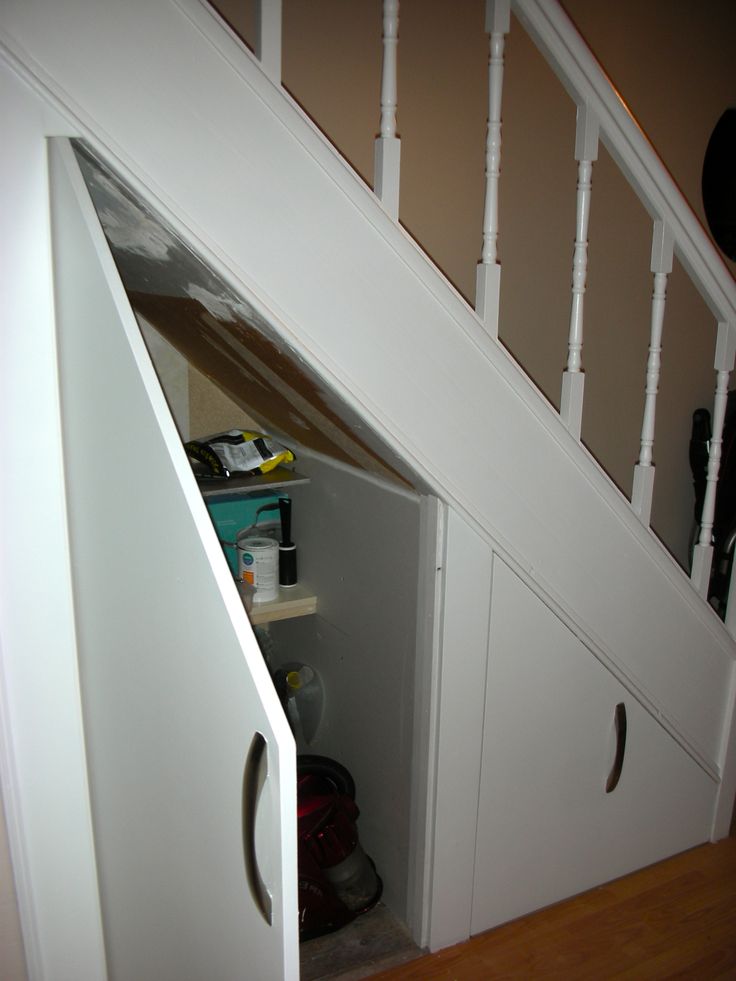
{"x": 232, "y": 513}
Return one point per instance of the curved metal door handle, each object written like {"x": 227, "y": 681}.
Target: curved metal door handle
{"x": 619, "y": 722}
{"x": 254, "y": 777}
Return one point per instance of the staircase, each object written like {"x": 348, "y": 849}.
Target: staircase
{"x": 673, "y": 230}
{"x": 674, "y": 248}
{"x": 236, "y": 167}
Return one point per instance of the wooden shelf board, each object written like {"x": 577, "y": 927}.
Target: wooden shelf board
{"x": 243, "y": 483}
{"x": 293, "y": 601}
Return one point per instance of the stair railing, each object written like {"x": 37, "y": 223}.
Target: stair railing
{"x": 601, "y": 114}
{"x": 676, "y": 230}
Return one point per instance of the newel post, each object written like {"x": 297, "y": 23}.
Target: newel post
{"x": 488, "y": 272}
{"x": 387, "y": 153}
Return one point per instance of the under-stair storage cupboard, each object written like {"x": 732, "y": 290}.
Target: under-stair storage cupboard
{"x": 360, "y": 542}
{"x": 490, "y": 610}
{"x": 359, "y": 546}
{"x": 479, "y": 725}
{"x": 579, "y": 783}
{"x": 478, "y": 803}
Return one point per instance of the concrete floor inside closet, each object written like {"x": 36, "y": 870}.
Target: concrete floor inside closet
{"x": 373, "y": 942}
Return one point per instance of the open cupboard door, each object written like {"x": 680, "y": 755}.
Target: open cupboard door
{"x": 191, "y": 762}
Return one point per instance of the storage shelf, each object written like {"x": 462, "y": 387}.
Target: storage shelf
{"x": 293, "y": 601}
{"x": 244, "y": 483}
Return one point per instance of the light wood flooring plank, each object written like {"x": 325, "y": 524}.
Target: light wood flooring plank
{"x": 676, "y": 919}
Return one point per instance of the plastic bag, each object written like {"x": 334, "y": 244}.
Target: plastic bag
{"x": 238, "y": 451}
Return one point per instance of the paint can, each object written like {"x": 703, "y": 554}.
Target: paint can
{"x": 258, "y": 564}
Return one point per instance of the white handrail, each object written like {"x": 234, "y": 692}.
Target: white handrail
{"x": 587, "y": 83}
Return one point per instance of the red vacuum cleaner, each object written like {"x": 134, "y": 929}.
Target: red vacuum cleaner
{"x": 337, "y": 880}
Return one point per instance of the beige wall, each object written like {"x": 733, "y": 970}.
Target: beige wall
{"x": 675, "y": 68}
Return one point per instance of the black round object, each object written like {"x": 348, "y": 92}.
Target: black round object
{"x": 719, "y": 183}
{"x": 328, "y": 769}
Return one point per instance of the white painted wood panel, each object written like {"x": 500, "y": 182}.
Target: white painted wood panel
{"x": 467, "y": 576}
{"x": 427, "y": 686}
{"x": 546, "y": 826}
{"x": 173, "y": 684}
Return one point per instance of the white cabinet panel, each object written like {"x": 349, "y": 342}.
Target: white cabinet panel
{"x": 546, "y": 827}
{"x": 189, "y": 838}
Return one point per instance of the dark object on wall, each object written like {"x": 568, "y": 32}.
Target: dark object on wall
{"x": 699, "y": 448}
{"x": 719, "y": 183}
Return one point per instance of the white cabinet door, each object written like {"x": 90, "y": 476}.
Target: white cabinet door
{"x": 546, "y": 826}
{"x": 191, "y": 763}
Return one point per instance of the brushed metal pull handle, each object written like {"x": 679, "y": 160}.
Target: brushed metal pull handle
{"x": 619, "y": 723}
{"x": 254, "y": 778}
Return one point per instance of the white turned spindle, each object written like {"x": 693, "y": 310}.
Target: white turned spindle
{"x": 703, "y": 551}
{"x": 488, "y": 273}
{"x": 387, "y": 155}
{"x": 661, "y": 266}
{"x": 268, "y": 38}
{"x": 573, "y": 379}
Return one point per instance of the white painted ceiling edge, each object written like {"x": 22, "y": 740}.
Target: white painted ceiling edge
{"x": 301, "y": 238}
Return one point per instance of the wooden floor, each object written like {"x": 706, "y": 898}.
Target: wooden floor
{"x": 676, "y": 919}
